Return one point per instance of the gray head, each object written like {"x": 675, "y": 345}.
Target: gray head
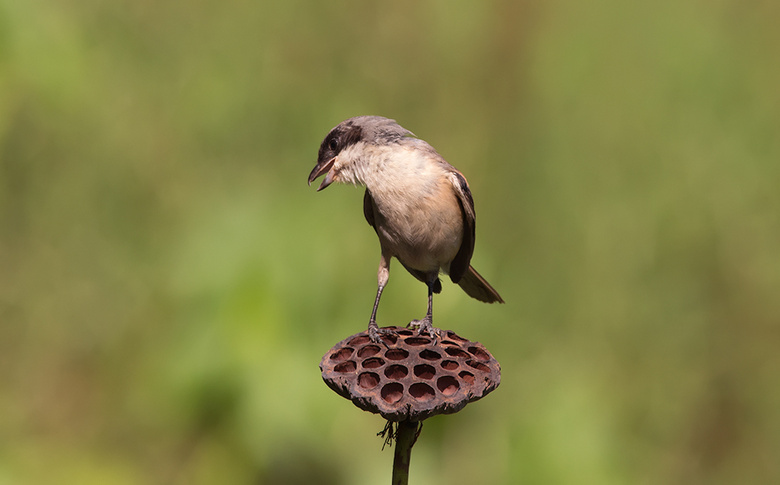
{"x": 366, "y": 129}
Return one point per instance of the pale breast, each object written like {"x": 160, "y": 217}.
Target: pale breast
{"x": 422, "y": 224}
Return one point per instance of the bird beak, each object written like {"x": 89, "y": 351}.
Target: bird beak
{"x": 321, "y": 168}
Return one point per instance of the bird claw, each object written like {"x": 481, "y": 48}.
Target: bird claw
{"x": 426, "y": 326}
{"x": 375, "y": 333}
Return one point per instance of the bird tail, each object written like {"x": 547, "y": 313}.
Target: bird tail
{"x": 476, "y": 287}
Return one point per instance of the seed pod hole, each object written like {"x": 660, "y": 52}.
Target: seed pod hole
{"x": 342, "y": 354}
{"x": 392, "y": 393}
{"x": 368, "y": 380}
{"x": 396, "y": 354}
{"x": 428, "y": 354}
{"x": 447, "y": 385}
{"x": 454, "y": 336}
{"x": 346, "y": 367}
{"x": 456, "y": 352}
{"x": 467, "y": 377}
{"x": 360, "y": 340}
{"x": 373, "y": 363}
{"x": 389, "y": 339}
{"x": 479, "y": 354}
{"x": 418, "y": 341}
{"x": 368, "y": 351}
{"x": 396, "y": 372}
{"x": 478, "y": 365}
{"x": 422, "y": 391}
{"x": 424, "y": 371}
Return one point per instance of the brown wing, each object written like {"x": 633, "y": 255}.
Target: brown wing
{"x": 368, "y": 208}
{"x": 460, "y": 264}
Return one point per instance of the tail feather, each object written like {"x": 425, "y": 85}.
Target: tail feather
{"x": 476, "y": 287}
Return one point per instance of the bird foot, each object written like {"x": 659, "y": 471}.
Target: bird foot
{"x": 375, "y": 332}
{"x": 426, "y": 326}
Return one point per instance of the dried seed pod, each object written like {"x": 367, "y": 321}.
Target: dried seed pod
{"x": 409, "y": 376}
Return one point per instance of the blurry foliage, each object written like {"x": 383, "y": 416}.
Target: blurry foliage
{"x": 169, "y": 282}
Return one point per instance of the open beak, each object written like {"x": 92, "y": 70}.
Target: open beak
{"x": 323, "y": 168}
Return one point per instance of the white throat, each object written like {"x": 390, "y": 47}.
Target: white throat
{"x": 388, "y": 168}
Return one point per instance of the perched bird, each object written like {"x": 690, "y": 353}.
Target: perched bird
{"x": 419, "y": 205}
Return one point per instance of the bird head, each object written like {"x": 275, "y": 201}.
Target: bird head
{"x": 341, "y": 147}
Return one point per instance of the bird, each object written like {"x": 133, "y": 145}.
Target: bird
{"x": 419, "y": 205}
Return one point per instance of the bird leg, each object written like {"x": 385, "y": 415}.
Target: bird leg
{"x": 383, "y": 274}
{"x": 374, "y": 332}
{"x": 426, "y": 324}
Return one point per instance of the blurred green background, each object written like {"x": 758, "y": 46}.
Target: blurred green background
{"x": 169, "y": 282}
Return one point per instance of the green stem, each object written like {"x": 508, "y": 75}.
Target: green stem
{"x": 405, "y": 437}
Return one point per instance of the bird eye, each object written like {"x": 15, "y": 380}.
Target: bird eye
{"x": 333, "y": 144}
